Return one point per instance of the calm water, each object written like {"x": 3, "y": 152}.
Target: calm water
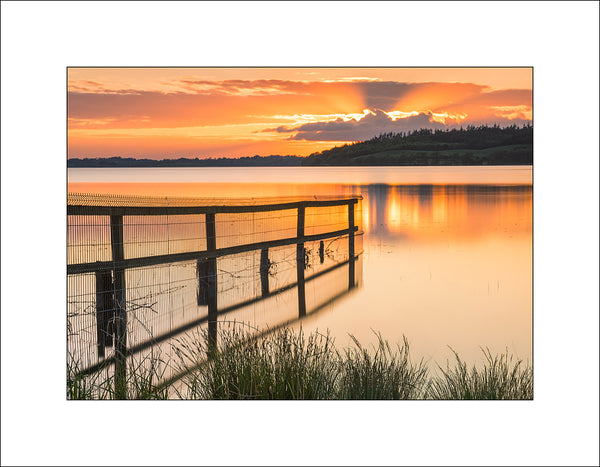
{"x": 447, "y": 250}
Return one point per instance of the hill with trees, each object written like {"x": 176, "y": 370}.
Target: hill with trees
{"x": 483, "y": 145}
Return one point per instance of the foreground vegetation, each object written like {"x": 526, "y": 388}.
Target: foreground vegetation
{"x": 289, "y": 365}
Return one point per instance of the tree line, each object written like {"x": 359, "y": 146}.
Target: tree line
{"x": 255, "y": 161}
{"x": 436, "y": 147}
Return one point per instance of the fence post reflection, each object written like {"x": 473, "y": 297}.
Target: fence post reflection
{"x": 105, "y": 311}
{"x": 265, "y": 265}
{"x": 351, "y": 267}
{"x": 300, "y": 263}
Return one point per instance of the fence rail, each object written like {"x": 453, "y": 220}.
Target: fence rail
{"x": 112, "y": 291}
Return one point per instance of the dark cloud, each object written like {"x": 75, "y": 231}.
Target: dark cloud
{"x": 383, "y": 95}
{"x": 359, "y": 130}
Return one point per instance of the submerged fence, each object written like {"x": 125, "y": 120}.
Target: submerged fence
{"x": 143, "y": 271}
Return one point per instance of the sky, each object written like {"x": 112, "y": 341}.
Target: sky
{"x": 161, "y": 113}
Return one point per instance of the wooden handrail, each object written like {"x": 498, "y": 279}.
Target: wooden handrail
{"x": 84, "y": 210}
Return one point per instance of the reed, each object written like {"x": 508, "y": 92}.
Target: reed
{"x": 284, "y": 364}
{"x": 287, "y": 365}
{"x": 97, "y": 385}
{"x": 143, "y": 381}
{"x": 501, "y": 378}
{"x": 380, "y": 373}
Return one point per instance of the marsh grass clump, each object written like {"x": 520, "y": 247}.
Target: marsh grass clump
{"x": 288, "y": 365}
{"x": 282, "y": 365}
{"x": 381, "y": 373}
{"x": 142, "y": 381}
{"x": 501, "y": 378}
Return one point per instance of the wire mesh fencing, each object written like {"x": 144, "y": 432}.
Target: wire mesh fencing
{"x": 143, "y": 272}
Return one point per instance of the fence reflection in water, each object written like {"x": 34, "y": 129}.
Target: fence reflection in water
{"x": 143, "y": 272}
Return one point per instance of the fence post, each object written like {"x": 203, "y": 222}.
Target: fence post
{"x": 264, "y": 271}
{"x": 211, "y": 281}
{"x": 300, "y": 263}
{"x": 120, "y": 297}
{"x": 351, "y": 266}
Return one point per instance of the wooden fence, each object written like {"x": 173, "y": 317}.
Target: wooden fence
{"x": 111, "y": 289}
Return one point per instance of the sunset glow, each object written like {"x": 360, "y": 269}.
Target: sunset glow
{"x": 232, "y": 112}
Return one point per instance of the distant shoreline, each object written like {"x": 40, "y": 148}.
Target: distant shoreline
{"x": 165, "y": 163}
{"x": 473, "y": 146}
{"x": 92, "y": 165}
{"x": 119, "y": 162}
{"x": 422, "y": 160}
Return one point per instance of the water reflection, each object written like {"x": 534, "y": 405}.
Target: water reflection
{"x": 446, "y": 264}
{"x": 430, "y": 212}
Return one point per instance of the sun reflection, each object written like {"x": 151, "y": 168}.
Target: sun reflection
{"x": 439, "y": 212}
{"x": 366, "y": 217}
{"x": 430, "y": 212}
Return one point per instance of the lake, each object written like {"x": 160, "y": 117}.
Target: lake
{"x": 447, "y": 251}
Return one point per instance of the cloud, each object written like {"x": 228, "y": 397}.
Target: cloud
{"x": 312, "y": 106}
{"x": 212, "y": 102}
{"x": 157, "y": 109}
{"x": 243, "y": 87}
{"x": 373, "y": 124}
{"x": 485, "y": 102}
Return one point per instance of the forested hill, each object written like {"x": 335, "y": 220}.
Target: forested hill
{"x": 482, "y": 145}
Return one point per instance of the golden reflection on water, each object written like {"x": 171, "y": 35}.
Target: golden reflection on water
{"x": 443, "y": 264}
{"x": 430, "y": 212}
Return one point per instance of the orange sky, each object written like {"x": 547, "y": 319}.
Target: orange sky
{"x": 231, "y": 112}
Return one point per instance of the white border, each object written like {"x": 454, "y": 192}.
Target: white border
{"x": 560, "y": 39}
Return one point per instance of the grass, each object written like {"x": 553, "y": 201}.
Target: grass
{"x": 501, "y": 378}
{"x": 142, "y": 381}
{"x": 380, "y": 372}
{"x": 290, "y": 365}
{"x": 283, "y": 365}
